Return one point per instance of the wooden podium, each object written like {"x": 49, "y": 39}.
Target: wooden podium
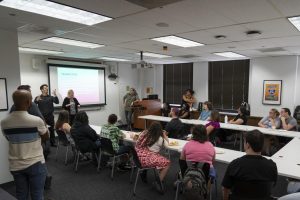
{"x": 145, "y": 107}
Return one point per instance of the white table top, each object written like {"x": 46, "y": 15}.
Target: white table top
{"x": 287, "y": 160}
{"x": 276, "y": 132}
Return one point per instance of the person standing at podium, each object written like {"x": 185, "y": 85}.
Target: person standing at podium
{"x": 128, "y": 100}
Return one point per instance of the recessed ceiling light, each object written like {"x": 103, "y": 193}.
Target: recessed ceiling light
{"x": 295, "y": 21}
{"x": 178, "y": 41}
{"x": 154, "y": 55}
{"x": 73, "y": 42}
{"x": 220, "y": 37}
{"x": 56, "y": 10}
{"x": 162, "y": 24}
{"x": 253, "y": 33}
{"x": 114, "y": 59}
{"x": 230, "y": 54}
{"x": 38, "y": 51}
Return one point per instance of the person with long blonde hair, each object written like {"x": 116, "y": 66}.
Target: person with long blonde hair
{"x": 71, "y": 105}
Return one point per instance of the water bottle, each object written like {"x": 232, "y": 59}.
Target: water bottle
{"x": 226, "y": 119}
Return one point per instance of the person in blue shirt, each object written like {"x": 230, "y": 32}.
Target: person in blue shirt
{"x": 206, "y": 112}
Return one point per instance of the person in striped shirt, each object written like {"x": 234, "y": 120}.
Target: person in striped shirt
{"x": 24, "y": 133}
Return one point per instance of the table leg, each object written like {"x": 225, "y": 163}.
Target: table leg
{"x": 145, "y": 124}
{"x": 241, "y": 141}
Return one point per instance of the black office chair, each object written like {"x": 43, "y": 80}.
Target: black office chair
{"x": 137, "y": 164}
{"x": 250, "y": 190}
{"x": 107, "y": 150}
{"x": 81, "y": 153}
{"x": 213, "y": 135}
{"x": 62, "y": 142}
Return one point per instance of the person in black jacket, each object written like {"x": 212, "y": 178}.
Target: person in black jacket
{"x": 86, "y": 138}
{"x": 45, "y": 104}
{"x": 71, "y": 105}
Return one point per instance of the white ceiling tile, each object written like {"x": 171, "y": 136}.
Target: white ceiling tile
{"x": 288, "y": 8}
{"x": 232, "y": 33}
{"x": 150, "y": 18}
{"x": 110, "y": 8}
{"x": 103, "y": 36}
{"x": 195, "y": 13}
{"x": 138, "y": 30}
{"x": 204, "y": 37}
{"x": 243, "y": 11}
{"x": 274, "y": 28}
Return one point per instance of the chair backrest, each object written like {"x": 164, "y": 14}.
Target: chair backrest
{"x": 212, "y": 136}
{"x": 62, "y": 136}
{"x": 251, "y": 190}
{"x": 106, "y": 145}
{"x": 135, "y": 158}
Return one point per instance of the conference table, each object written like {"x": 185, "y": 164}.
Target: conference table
{"x": 235, "y": 127}
{"x": 287, "y": 161}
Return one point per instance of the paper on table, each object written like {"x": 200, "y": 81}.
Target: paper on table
{"x": 220, "y": 151}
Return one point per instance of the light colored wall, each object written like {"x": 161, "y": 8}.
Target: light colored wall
{"x": 115, "y": 89}
{"x": 9, "y": 69}
{"x": 285, "y": 68}
{"x": 200, "y": 81}
{"x": 273, "y": 68}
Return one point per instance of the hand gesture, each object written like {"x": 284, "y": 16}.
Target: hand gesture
{"x": 54, "y": 92}
{"x": 282, "y": 118}
{"x": 38, "y": 98}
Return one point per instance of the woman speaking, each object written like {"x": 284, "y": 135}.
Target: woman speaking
{"x": 71, "y": 105}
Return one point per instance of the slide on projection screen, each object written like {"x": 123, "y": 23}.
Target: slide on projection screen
{"x": 88, "y": 83}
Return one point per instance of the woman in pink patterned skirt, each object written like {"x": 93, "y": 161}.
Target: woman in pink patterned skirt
{"x": 148, "y": 146}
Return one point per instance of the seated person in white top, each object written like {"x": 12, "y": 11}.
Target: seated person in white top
{"x": 271, "y": 121}
{"x": 288, "y": 122}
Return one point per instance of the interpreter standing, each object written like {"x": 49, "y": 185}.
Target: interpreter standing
{"x": 45, "y": 104}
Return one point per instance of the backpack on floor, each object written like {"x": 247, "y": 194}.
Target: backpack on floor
{"x": 194, "y": 183}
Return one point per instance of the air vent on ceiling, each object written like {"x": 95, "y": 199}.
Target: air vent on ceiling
{"x": 188, "y": 56}
{"x": 34, "y": 28}
{"x": 152, "y": 4}
{"x": 272, "y": 50}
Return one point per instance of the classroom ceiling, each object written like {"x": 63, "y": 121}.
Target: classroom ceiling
{"x": 135, "y": 23}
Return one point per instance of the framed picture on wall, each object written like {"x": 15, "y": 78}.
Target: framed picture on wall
{"x": 3, "y": 95}
{"x": 272, "y": 92}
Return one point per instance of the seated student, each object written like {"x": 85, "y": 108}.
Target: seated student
{"x": 84, "y": 136}
{"x": 241, "y": 118}
{"x": 212, "y": 125}
{"x": 288, "y": 122}
{"x": 214, "y": 122}
{"x": 270, "y": 121}
{"x": 148, "y": 146}
{"x": 62, "y": 124}
{"x": 205, "y": 114}
{"x": 252, "y": 169}
{"x": 114, "y": 134}
{"x": 199, "y": 149}
{"x": 175, "y": 127}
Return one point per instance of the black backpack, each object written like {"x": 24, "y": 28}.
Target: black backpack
{"x": 194, "y": 183}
